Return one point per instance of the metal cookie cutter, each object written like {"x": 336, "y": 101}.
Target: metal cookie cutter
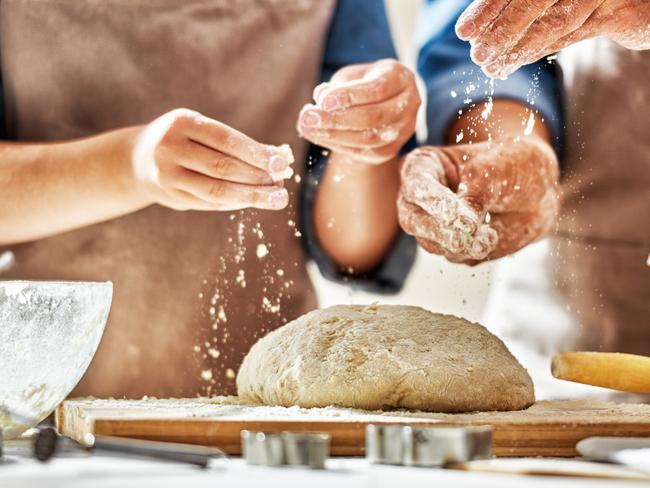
{"x": 285, "y": 448}
{"x": 409, "y": 445}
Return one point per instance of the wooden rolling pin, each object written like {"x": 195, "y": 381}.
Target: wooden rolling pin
{"x": 618, "y": 371}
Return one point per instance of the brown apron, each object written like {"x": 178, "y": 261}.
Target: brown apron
{"x": 193, "y": 290}
{"x": 604, "y": 231}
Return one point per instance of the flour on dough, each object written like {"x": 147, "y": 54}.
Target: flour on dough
{"x": 384, "y": 356}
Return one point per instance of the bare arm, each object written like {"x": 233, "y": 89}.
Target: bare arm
{"x": 364, "y": 116}
{"x": 46, "y": 189}
{"x": 506, "y": 118}
{"x": 182, "y": 160}
{"x": 355, "y": 214}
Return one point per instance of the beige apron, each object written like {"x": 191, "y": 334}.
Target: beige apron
{"x": 193, "y": 290}
{"x": 604, "y": 231}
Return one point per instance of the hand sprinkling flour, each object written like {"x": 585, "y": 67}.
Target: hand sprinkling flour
{"x": 507, "y": 34}
{"x": 366, "y": 111}
{"x": 482, "y": 201}
{"x": 187, "y": 161}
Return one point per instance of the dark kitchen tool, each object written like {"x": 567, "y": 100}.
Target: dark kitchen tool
{"x": 47, "y": 442}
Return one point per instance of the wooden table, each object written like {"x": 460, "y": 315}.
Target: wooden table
{"x": 545, "y": 429}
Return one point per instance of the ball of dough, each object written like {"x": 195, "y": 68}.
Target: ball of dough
{"x": 384, "y": 356}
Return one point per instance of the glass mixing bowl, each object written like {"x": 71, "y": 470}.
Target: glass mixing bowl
{"x": 49, "y": 332}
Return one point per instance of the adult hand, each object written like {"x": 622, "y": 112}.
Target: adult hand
{"x": 507, "y": 34}
{"x": 186, "y": 161}
{"x": 366, "y": 111}
{"x": 476, "y": 202}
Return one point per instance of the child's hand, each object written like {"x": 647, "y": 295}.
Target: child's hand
{"x": 367, "y": 111}
{"x": 187, "y": 161}
{"x": 482, "y": 201}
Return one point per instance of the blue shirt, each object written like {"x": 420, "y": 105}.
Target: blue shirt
{"x": 359, "y": 33}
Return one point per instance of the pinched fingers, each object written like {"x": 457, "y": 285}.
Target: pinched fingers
{"x": 513, "y": 232}
{"x": 425, "y": 183}
{"x": 427, "y": 160}
{"x": 367, "y": 111}
{"x": 507, "y": 34}
{"x": 228, "y": 195}
{"x": 440, "y": 238}
{"x": 441, "y": 203}
{"x": 361, "y": 117}
{"x": 348, "y": 73}
{"x": 626, "y": 23}
{"x": 201, "y": 159}
{"x": 510, "y": 26}
{"x": 181, "y": 192}
{"x": 478, "y": 17}
{"x": 374, "y": 145}
{"x": 184, "y": 160}
{"x": 433, "y": 247}
{"x": 345, "y": 74}
{"x": 371, "y": 133}
{"x": 483, "y": 249}
{"x": 564, "y": 19}
{"x": 366, "y": 138}
{"x": 381, "y": 81}
{"x": 417, "y": 222}
{"x": 224, "y": 195}
{"x": 213, "y": 134}
{"x": 432, "y": 211}
{"x": 181, "y": 200}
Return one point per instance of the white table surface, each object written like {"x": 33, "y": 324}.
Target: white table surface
{"x": 98, "y": 471}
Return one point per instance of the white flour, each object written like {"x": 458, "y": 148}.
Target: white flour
{"x": 231, "y": 409}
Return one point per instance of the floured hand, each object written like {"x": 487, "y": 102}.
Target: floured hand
{"x": 476, "y": 202}
{"x": 366, "y": 111}
{"x": 506, "y": 35}
{"x": 187, "y": 161}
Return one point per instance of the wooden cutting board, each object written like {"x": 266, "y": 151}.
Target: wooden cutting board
{"x": 545, "y": 429}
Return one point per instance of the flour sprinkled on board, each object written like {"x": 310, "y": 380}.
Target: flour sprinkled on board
{"x": 231, "y": 408}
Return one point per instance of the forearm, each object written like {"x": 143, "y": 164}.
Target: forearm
{"x": 503, "y": 118}
{"x": 355, "y": 216}
{"x": 51, "y": 188}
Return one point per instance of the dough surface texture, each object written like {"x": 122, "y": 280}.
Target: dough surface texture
{"x": 384, "y": 356}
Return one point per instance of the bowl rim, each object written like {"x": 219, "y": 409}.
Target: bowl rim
{"x": 57, "y": 282}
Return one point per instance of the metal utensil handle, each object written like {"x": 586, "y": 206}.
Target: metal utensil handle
{"x": 167, "y": 451}
{"x": 48, "y": 442}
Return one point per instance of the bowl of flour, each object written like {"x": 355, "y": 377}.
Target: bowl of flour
{"x": 49, "y": 332}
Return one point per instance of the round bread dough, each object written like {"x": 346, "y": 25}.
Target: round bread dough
{"x": 384, "y": 356}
